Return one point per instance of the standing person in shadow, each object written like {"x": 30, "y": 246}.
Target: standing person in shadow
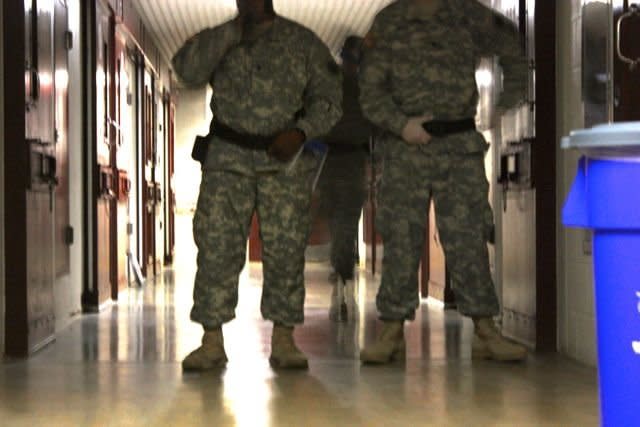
{"x": 343, "y": 183}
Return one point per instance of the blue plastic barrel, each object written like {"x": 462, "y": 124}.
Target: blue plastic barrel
{"x": 605, "y": 197}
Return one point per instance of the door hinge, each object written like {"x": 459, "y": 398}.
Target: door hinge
{"x": 68, "y": 235}
{"x": 68, "y": 40}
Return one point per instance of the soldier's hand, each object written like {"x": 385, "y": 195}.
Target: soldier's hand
{"x": 414, "y": 133}
{"x": 286, "y": 144}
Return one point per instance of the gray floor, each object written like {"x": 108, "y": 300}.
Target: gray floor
{"x": 122, "y": 368}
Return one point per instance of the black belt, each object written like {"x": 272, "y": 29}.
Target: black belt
{"x": 439, "y": 128}
{"x": 252, "y": 142}
{"x": 346, "y": 148}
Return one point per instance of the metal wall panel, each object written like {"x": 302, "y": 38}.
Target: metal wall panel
{"x": 68, "y": 289}
{"x": 596, "y": 62}
{"x": 519, "y": 266}
{"x": 66, "y": 297}
{"x": 61, "y": 121}
{"x": 513, "y": 195}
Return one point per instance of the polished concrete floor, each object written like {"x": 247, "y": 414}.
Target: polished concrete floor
{"x": 122, "y": 368}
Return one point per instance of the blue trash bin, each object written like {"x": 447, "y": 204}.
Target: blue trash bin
{"x": 605, "y": 197}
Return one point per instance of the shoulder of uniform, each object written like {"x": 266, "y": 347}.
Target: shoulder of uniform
{"x": 295, "y": 27}
{"x": 398, "y": 6}
{"x": 385, "y": 21}
{"x": 392, "y": 11}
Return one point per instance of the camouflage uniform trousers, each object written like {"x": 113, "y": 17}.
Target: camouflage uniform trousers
{"x": 457, "y": 183}
{"x": 221, "y": 223}
{"x": 343, "y": 192}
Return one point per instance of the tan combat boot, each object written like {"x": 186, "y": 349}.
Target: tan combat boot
{"x": 209, "y": 355}
{"x": 488, "y": 343}
{"x": 284, "y": 353}
{"x": 389, "y": 346}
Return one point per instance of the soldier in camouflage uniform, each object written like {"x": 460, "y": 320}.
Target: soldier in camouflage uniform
{"x": 420, "y": 73}
{"x": 274, "y": 86}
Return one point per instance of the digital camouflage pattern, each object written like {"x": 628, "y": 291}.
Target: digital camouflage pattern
{"x": 424, "y": 63}
{"x": 284, "y": 79}
{"x": 458, "y": 185}
{"x": 220, "y": 228}
{"x": 421, "y": 65}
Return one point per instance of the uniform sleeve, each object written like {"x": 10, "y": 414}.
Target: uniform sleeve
{"x": 200, "y": 55}
{"x": 323, "y": 93}
{"x": 375, "y": 83}
{"x": 494, "y": 34}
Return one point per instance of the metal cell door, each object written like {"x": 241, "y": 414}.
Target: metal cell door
{"x": 106, "y": 134}
{"x": 41, "y": 173}
{"x": 148, "y": 187}
{"x": 63, "y": 236}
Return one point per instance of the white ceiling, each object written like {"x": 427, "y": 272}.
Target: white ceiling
{"x": 171, "y": 22}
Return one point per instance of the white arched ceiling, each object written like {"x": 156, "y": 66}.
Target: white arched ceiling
{"x": 171, "y": 22}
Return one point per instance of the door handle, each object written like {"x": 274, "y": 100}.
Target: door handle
{"x": 42, "y": 166}
{"x": 106, "y": 185}
{"x": 34, "y": 86}
{"x": 49, "y": 169}
{"x": 634, "y": 10}
{"x": 113, "y": 126}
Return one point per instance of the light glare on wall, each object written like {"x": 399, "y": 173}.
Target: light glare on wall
{"x": 484, "y": 78}
{"x": 62, "y": 79}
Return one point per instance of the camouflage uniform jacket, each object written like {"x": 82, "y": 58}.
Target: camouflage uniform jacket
{"x": 420, "y": 65}
{"x": 284, "y": 79}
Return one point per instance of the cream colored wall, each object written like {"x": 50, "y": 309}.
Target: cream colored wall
{"x": 68, "y": 289}
{"x": 576, "y": 318}
{"x": 192, "y": 118}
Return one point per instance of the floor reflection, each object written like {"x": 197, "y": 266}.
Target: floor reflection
{"x": 122, "y": 367}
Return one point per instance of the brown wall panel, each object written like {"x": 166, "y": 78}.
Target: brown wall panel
{"x": 16, "y": 337}
{"x": 544, "y": 175}
{"x": 255, "y": 243}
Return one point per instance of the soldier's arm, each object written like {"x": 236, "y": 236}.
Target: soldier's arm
{"x": 200, "y": 55}
{"x": 375, "y": 86}
{"x": 323, "y": 93}
{"x": 494, "y": 34}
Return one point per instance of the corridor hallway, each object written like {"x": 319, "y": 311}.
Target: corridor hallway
{"x": 122, "y": 368}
